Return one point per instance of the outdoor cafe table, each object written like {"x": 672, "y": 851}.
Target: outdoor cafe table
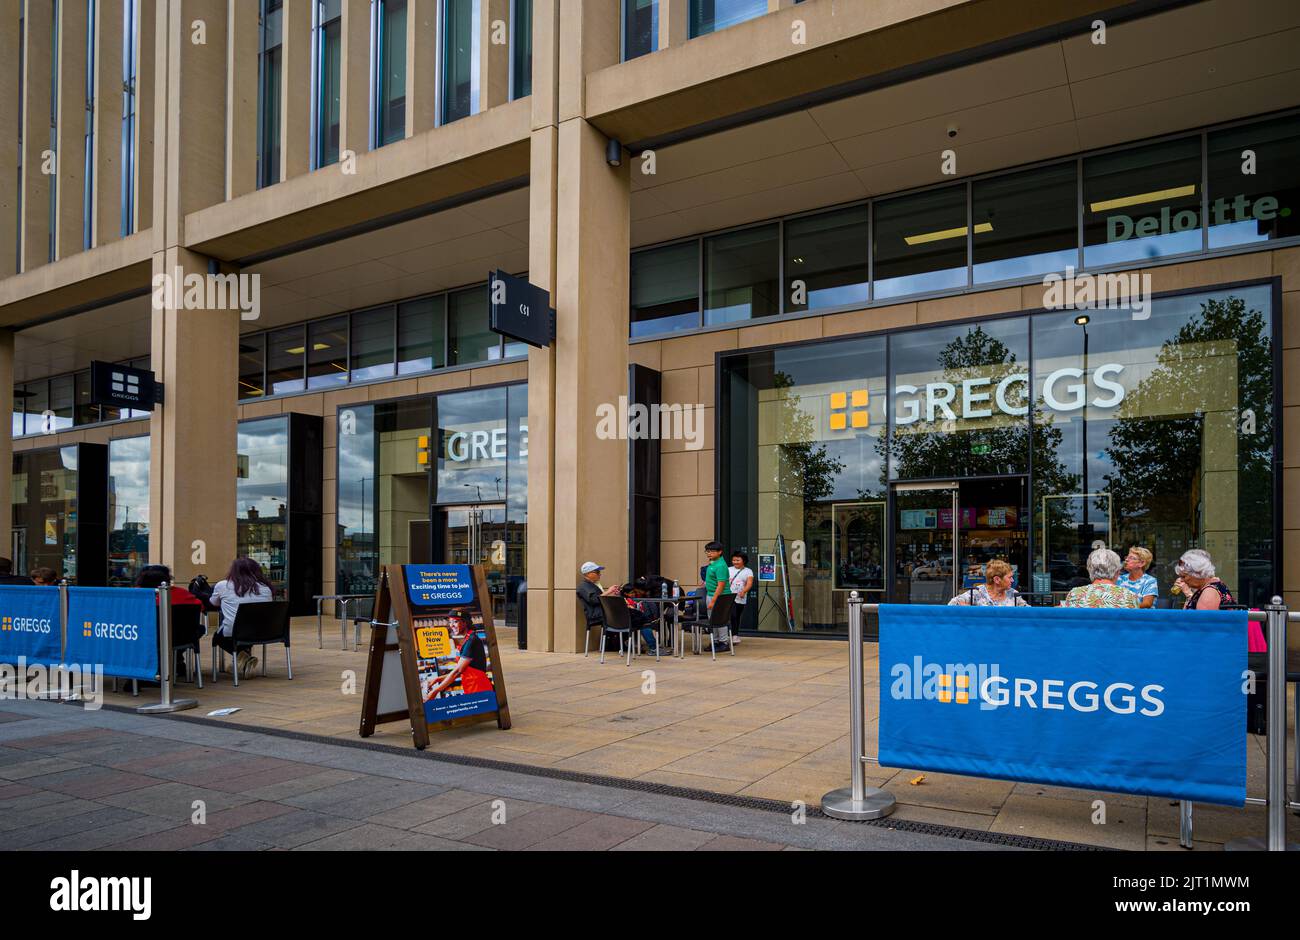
{"x": 679, "y": 643}
{"x": 344, "y": 600}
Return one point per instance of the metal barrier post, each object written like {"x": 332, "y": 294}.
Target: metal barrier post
{"x": 163, "y": 594}
{"x": 857, "y": 801}
{"x": 1275, "y": 767}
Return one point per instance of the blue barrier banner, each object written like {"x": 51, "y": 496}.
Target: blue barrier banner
{"x": 1148, "y": 702}
{"x": 29, "y": 624}
{"x": 115, "y": 627}
{"x": 435, "y": 585}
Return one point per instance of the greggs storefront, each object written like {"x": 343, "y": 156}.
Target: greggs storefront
{"x": 899, "y": 463}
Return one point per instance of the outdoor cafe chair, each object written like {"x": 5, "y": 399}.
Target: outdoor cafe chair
{"x": 719, "y": 616}
{"x": 256, "y": 624}
{"x": 187, "y": 631}
{"x": 618, "y": 620}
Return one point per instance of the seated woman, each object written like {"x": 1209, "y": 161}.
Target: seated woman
{"x": 245, "y": 583}
{"x": 643, "y": 618}
{"x": 45, "y": 577}
{"x": 153, "y": 576}
{"x": 996, "y": 591}
{"x": 1103, "y": 567}
{"x": 1198, "y": 583}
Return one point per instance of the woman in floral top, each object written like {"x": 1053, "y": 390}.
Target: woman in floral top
{"x": 1103, "y": 567}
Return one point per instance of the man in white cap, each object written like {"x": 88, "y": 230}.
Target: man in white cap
{"x": 589, "y": 592}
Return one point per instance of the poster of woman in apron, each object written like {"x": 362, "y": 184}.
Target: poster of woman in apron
{"x": 471, "y": 659}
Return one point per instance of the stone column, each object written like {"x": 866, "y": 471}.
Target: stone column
{"x": 10, "y": 116}
{"x": 295, "y": 89}
{"x": 354, "y": 80}
{"x": 195, "y": 350}
{"x": 421, "y": 66}
{"x": 69, "y": 222}
{"x": 6, "y": 440}
{"x": 106, "y": 187}
{"x": 38, "y": 53}
{"x": 674, "y": 24}
{"x": 242, "y": 101}
{"x": 150, "y": 62}
{"x": 494, "y": 57}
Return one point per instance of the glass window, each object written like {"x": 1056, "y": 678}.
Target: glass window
{"x": 128, "y": 509}
{"x": 38, "y": 399}
{"x": 472, "y": 436}
{"x": 740, "y": 275}
{"x": 372, "y": 344}
{"x": 85, "y": 412}
{"x": 44, "y": 498}
{"x": 268, "y": 98}
{"x": 521, "y": 49}
{"x": 920, "y": 243}
{"x": 1144, "y": 202}
{"x": 960, "y": 400}
{"x": 516, "y": 536}
{"x": 666, "y": 289}
{"x": 640, "y": 27}
{"x": 460, "y": 59}
{"x": 826, "y": 260}
{"x": 390, "y": 120}
{"x": 1025, "y": 223}
{"x": 252, "y": 360}
{"x": 327, "y": 356}
{"x": 1254, "y": 182}
{"x": 1139, "y": 438}
{"x": 329, "y": 52}
{"x": 262, "y": 496}
{"x": 285, "y": 360}
{"x": 420, "y": 327}
{"x": 63, "y": 399}
{"x": 709, "y": 16}
{"x": 468, "y": 336}
{"x": 803, "y": 459}
{"x": 20, "y": 395}
{"x": 358, "y": 463}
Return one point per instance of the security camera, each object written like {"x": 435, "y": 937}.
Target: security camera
{"x": 952, "y": 130}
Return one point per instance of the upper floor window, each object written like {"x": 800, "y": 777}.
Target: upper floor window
{"x": 1254, "y": 186}
{"x": 390, "y": 71}
{"x": 640, "y": 27}
{"x": 268, "y": 93}
{"x": 460, "y": 59}
{"x": 329, "y": 73}
{"x": 709, "y": 16}
{"x": 521, "y": 49}
{"x": 130, "y": 57}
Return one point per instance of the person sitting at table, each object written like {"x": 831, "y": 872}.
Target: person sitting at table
{"x": 996, "y": 591}
{"x": 245, "y": 583}
{"x": 153, "y": 576}
{"x": 7, "y": 575}
{"x": 45, "y": 577}
{"x": 644, "y": 617}
{"x": 1103, "y": 567}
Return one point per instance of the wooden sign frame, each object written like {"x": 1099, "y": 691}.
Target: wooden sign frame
{"x": 393, "y": 604}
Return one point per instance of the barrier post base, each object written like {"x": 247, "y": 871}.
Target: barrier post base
{"x": 159, "y": 708}
{"x": 875, "y": 804}
{"x": 1254, "y": 844}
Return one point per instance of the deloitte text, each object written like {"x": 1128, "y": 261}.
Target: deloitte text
{"x": 177, "y": 290}
{"x": 63, "y": 680}
{"x": 964, "y": 683}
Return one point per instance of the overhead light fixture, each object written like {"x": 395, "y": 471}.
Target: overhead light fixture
{"x": 1159, "y": 195}
{"x": 613, "y": 152}
{"x": 947, "y": 233}
{"x": 1082, "y": 319}
{"x": 798, "y": 260}
{"x": 296, "y": 351}
{"x": 317, "y": 347}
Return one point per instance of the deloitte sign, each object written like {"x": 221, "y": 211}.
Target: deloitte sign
{"x": 1064, "y": 390}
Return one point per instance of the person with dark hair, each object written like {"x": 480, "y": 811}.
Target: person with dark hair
{"x": 45, "y": 577}
{"x": 244, "y": 583}
{"x": 740, "y": 579}
{"x": 715, "y": 585}
{"x": 7, "y": 575}
{"x": 152, "y": 576}
{"x": 471, "y": 659}
{"x": 643, "y": 618}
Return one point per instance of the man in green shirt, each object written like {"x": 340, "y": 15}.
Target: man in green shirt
{"x": 716, "y": 583}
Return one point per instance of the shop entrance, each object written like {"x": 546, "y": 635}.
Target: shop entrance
{"x": 476, "y": 535}
{"x": 946, "y": 532}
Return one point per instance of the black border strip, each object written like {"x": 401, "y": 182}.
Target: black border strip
{"x": 643, "y": 786}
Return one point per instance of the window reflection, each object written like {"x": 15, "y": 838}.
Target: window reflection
{"x": 128, "y": 509}
{"x": 262, "y": 496}
{"x": 827, "y": 254}
{"x": 44, "y": 498}
{"x": 666, "y": 289}
{"x": 740, "y": 275}
{"x": 1142, "y": 203}
{"x": 1254, "y": 200}
{"x": 920, "y": 242}
{"x": 1025, "y": 223}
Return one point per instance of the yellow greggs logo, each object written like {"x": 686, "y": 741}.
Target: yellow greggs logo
{"x": 7, "y": 623}
{"x": 849, "y": 409}
{"x": 963, "y": 689}
{"x": 87, "y": 629}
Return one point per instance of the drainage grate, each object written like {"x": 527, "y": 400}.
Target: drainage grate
{"x": 641, "y": 786}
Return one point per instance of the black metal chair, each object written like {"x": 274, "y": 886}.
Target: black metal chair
{"x": 719, "y": 617}
{"x": 256, "y": 624}
{"x": 618, "y": 620}
{"x": 187, "y": 631}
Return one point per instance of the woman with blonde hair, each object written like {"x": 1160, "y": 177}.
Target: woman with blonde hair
{"x": 1134, "y": 577}
{"x": 996, "y": 591}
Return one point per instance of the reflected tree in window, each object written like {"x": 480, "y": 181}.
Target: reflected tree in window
{"x": 806, "y": 466}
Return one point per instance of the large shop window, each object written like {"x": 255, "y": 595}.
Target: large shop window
{"x": 44, "y": 497}
{"x": 262, "y": 497}
{"x": 442, "y": 479}
{"x": 1156, "y": 432}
